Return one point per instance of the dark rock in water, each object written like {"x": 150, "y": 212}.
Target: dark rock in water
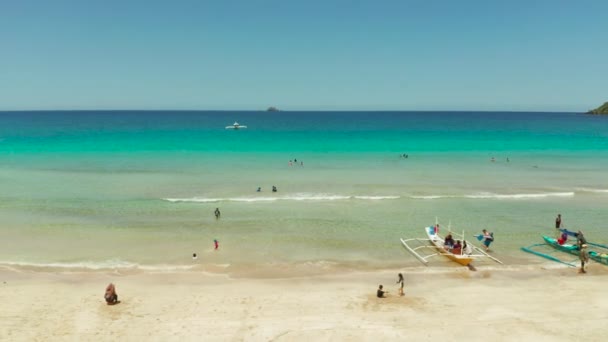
{"x": 603, "y": 109}
{"x": 272, "y": 109}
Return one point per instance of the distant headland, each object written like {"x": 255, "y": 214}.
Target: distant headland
{"x": 272, "y": 109}
{"x": 603, "y": 109}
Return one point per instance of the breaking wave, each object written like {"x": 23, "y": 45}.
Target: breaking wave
{"x": 498, "y": 196}
{"x": 298, "y": 197}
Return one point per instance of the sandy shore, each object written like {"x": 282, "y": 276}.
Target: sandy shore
{"x": 531, "y": 305}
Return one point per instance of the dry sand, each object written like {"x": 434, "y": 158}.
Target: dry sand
{"x": 507, "y": 305}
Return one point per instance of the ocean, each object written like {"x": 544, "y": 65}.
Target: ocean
{"x": 136, "y": 190}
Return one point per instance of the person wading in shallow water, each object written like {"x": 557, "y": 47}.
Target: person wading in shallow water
{"x": 558, "y": 225}
{"x": 217, "y": 213}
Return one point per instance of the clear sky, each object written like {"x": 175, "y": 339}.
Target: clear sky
{"x": 304, "y": 55}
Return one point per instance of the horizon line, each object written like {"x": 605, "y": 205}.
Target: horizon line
{"x": 290, "y": 111}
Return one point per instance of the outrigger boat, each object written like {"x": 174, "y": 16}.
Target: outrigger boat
{"x": 597, "y": 252}
{"x": 464, "y": 257}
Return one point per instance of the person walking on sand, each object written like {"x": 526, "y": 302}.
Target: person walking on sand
{"x": 216, "y": 243}
{"x": 217, "y": 213}
{"x": 400, "y": 281}
{"x": 111, "y": 297}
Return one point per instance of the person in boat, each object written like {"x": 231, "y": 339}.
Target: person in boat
{"x": 563, "y": 238}
{"x": 558, "y": 224}
{"x": 448, "y": 242}
{"x": 380, "y": 293}
{"x": 436, "y": 228}
{"x": 457, "y": 249}
{"x": 466, "y": 248}
{"x": 274, "y": 188}
{"x": 487, "y": 238}
{"x": 111, "y": 296}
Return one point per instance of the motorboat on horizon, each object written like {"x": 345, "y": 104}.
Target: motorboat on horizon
{"x": 236, "y": 125}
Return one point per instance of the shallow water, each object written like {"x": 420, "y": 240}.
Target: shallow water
{"x": 137, "y": 190}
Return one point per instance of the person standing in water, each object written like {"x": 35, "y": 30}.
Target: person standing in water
{"x": 217, "y": 213}
{"x": 400, "y": 281}
{"x": 558, "y": 225}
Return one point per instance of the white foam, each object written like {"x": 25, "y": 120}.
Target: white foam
{"x": 375, "y": 198}
{"x": 294, "y": 197}
{"x": 487, "y": 195}
{"x": 429, "y": 197}
{"x": 519, "y": 196}
{"x": 602, "y": 191}
{"x": 91, "y": 265}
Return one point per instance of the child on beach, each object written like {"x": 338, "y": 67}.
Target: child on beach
{"x": 380, "y": 293}
{"x": 400, "y": 281}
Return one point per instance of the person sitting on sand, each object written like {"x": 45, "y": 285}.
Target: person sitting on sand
{"x": 111, "y": 296}
{"x": 380, "y": 293}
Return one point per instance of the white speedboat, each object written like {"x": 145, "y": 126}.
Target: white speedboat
{"x": 236, "y": 125}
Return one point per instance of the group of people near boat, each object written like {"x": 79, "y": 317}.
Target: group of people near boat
{"x": 458, "y": 247}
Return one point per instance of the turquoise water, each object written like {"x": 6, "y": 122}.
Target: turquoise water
{"x": 137, "y": 189}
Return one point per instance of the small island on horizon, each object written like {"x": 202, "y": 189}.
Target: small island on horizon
{"x": 272, "y": 109}
{"x": 603, "y": 109}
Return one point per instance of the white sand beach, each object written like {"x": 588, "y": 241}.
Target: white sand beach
{"x": 507, "y": 305}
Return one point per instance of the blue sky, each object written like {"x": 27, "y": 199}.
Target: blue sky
{"x": 304, "y": 55}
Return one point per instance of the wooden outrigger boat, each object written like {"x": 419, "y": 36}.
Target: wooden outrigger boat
{"x": 597, "y": 252}
{"x": 464, "y": 257}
